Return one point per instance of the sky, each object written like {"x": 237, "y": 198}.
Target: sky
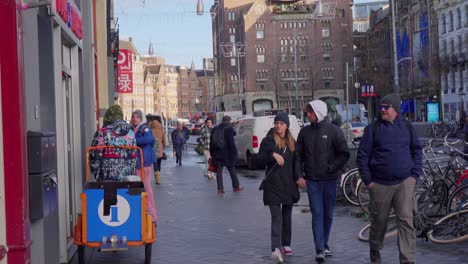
{"x": 178, "y": 34}
{"x": 176, "y": 31}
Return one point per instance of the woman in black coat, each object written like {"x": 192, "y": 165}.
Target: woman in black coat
{"x": 280, "y": 190}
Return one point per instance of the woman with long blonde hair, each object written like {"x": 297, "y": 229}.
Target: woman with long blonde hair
{"x": 280, "y": 191}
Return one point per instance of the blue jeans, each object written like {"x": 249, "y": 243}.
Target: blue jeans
{"x": 322, "y": 196}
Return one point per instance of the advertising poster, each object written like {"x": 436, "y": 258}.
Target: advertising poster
{"x": 432, "y": 111}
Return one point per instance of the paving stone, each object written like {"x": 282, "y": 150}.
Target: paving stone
{"x": 196, "y": 225}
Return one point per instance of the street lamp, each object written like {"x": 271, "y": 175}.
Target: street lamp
{"x": 201, "y": 10}
{"x": 236, "y": 50}
{"x": 296, "y": 88}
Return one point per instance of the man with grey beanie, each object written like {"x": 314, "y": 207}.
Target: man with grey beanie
{"x": 321, "y": 153}
{"x": 389, "y": 161}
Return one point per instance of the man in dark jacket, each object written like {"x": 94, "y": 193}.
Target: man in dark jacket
{"x": 389, "y": 160}
{"x": 225, "y": 156}
{"x": 321, "y": 153}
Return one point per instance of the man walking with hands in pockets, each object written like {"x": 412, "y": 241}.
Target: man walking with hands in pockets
{"x": 389, "y": 160}
{"x": 321, "y": 153}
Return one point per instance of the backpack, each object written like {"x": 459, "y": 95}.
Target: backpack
{"x": 218, "y": 137}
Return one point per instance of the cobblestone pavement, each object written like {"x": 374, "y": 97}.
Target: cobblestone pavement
{"x": 196, "y": 225}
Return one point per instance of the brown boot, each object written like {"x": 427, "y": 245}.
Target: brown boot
{"x": 157, "y": 177}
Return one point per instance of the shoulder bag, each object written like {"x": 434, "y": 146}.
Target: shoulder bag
{"x": 262, "y": 184}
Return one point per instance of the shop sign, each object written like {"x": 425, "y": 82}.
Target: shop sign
{"x": 124, "y": 61}
{"x": 125, "y": 76}
{"x": 125, "y": 82}
{"x": 68, "y": 13}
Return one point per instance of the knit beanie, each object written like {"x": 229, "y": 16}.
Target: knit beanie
{"x": 394, "y": 100}
{"x": 283, "y": 117}
{"x": 112, "y": 114}
{"x": 226, "y": 119}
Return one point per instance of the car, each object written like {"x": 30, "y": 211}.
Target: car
{"x": 250, "y": 132}
{"x": 356, "y": 129}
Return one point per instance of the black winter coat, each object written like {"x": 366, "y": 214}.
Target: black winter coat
{"x": 280, "y": 186}
{"x": 228, "y": 154}
{"x": 321, "y": 152}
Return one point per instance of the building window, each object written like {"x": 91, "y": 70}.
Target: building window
{"x": 459, "y": 17}
{"x": 460, "y": 44}
{"x": 453, "y": 82}
{"x": 444, "y": 47}
{"x": 233, "y": 61}
{"x": 460, "y": 72}
{"x": 450, "y": 21}
{"x": 466, "y": 15}
{"x": 231, "y": 16}
{"x": 284, "y": 58}
{"x": 260, "y": 58}
{"x": 232, "y": 30}
{"x": 260, "y": 34}
{"x": 232, "y": 38}
{"x": 260, "y": 86}
{"x": 325, "y": 33}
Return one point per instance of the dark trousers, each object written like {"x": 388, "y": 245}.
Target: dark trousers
{"x": 232, "y": 173}
{"x": 280, "y": 225}
{"x": 322, "y": 196}
{"x": 178, "y": 152}
{"x": 157, "y": 165}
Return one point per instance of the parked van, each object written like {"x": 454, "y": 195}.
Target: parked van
{"x": 250, "y": 133}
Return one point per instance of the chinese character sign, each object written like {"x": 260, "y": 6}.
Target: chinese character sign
{"x": 125, "y": 60}
{"x": 125, "y": 78}
{"x": 125, "y": 82}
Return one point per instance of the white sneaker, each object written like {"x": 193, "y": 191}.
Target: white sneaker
{"x": 276, "y": 256}
{"x": 327, "y": 252}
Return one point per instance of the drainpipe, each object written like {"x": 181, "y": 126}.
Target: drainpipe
{"x": 14, "y": 133}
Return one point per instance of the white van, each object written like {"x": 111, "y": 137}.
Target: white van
{"x": 250, "y": 133}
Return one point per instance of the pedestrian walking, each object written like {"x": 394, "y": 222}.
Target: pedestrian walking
{"x": 186, "y": 136}
{"x": 145, "y": 140}
{"x": 224, "y": 152}
{"x": 389, "y": 161}
{"x": 280, "y": 191}
{"x": 112, "y": 164}
{"x": 178, "y": 142}
{"x": 321, "y": 153}
{"x": 158, "y": 133}
{"x": 205, "y": 135}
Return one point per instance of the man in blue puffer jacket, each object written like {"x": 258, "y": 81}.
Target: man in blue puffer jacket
{"x": 145, "y": 140}
{"x": 389, "y": 161}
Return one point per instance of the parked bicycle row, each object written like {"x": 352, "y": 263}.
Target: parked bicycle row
{"x": 441, "y": 194}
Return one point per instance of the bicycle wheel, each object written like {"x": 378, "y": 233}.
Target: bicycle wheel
{"x": 452, "y": 228}
{"x": 349, "y": 186}
{"x": 458, "y": 200}
{"x": 363, "y": 197}
{"x": 432, "y": 201}
{"x": 392, "y": 230}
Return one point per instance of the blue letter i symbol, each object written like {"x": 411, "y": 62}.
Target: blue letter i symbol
{"x": 114, "y": 214}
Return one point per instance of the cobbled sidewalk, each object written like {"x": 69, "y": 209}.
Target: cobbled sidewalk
{"x": 196, "y": 225}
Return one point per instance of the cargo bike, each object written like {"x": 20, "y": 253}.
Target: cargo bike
{"x": 114, "y": 216}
